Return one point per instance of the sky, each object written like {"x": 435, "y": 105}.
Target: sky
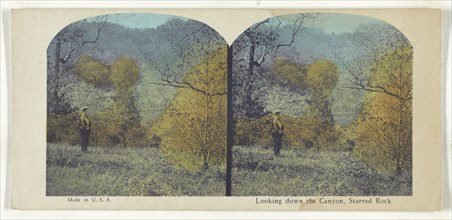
{"x": 330, "y": 23}
{"x": 342, "y": 23}
{"x": 140, "y": 20}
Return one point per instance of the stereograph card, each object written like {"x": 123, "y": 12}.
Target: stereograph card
{"x": 226, "y": 109}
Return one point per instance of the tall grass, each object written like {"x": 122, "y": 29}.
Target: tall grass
{"x": 144, "y": 172}
{"x": 124, "y": 172}
{"x": 310, "y": 173}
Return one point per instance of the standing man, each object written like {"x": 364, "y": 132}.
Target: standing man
{"x": 277, "y": 130}
{"x": 84, "y": 125}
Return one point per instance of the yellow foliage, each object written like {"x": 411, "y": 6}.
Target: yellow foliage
{"x": 193, "y": 128}
{"x": 307, "y": 131}
{"x": 109, "y": 127}
{"x": 321, "y": 79}
{"x": 124, "y": 73}
{"x": 294, "y": 73}
{"x": 116, "y": 125}
{"x": 255, "y": 131}
{"x": 315, "y": 128}
{"x": 384, "y": 127}
{"x": 92, "y": 71}
{"x": 322, "y": 76}
{"x": 299, "y": 132}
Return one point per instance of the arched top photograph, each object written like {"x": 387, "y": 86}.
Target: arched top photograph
{"x": 161, "y": 105}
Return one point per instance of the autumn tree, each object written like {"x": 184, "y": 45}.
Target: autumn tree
{"x": 383, "y": 73}
{"x": 355, "y": 54}
{"x": 306, "y": 107}
{"x": 119, "y": 122}
{"x": 384, "y": 126}
{"x": 291, "y": 74}
{"x": 92, "y": 71}
{"x": 193, "y": 128}
{"x": 321, "y": 78}
{"x": 316, "y": 82}
{"x": 192, "y": 61}
{"x": 124, "y": 77}
{"x": 89, "y": 84}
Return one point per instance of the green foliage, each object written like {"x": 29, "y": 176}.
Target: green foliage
{"x": 151, "y": 101}
{"x": 92, "y": 71}
{"x": 63, "y": 128}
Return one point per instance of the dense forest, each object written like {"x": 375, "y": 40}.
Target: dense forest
{"x": 165, "y": 89}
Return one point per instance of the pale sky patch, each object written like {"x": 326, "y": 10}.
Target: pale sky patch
{"x": 328, "y": 22}
{"x": 342, "y": 23}
{"x": 140, "y": 20}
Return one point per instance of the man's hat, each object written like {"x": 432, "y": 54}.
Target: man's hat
{"x": 277, "y": 112}
{"x": 84, "y": 108}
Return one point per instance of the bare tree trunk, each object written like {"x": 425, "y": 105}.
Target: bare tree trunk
{"x": 56, "y": 71}
{"x": 206, "y": 125}
{"x": 57, "y": 57}
{"x": 205, "y": 163}
{"x": 249, "y": 84}
{"x": 400, "y": 125}
{"x": 398, "y": 167}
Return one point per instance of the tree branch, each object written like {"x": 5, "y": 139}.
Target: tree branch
{"x": 297, "y": 28}
{"x": 72, "y": 48}
{"x": 260, "y": 23}
{"x": 187, "y": 85}
{"x": 379, "y": 89}
{"x": 99, "y": 29}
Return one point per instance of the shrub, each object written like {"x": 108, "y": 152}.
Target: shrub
{"x": 63, "y": 128}
{"x": 299, "y": 133}
{"x": 250, "y": 132}
{"x": 105, "y": 131}
{"x": 137, "y": 136}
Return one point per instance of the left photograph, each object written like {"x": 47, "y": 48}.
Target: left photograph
{"x": 136, "y": 106}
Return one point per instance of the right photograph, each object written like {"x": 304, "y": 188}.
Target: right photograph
{"x": 321, "y": 105}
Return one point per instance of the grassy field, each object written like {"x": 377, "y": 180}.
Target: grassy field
{"x": 144, "y": 172}
{"x": 310, "y": 173}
